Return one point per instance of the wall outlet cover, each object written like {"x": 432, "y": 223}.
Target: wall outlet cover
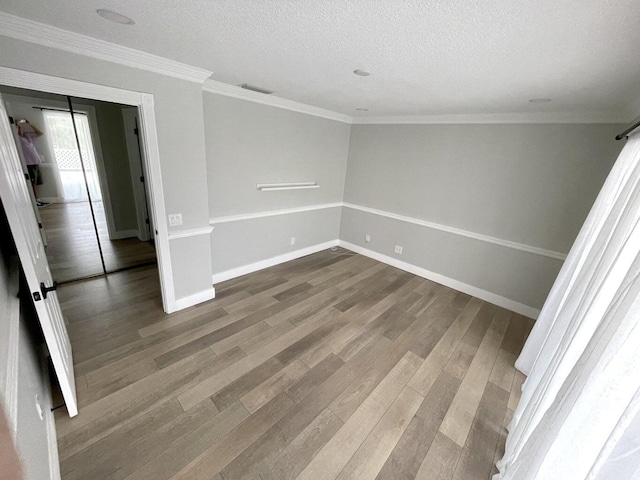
{"x": 293, "y": 240}
{"x": 367, "y": 238}
{"x": 175, "y": 219}
{"x": 398, "y": 250}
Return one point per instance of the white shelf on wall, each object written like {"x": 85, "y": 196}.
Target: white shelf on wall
{"x": 286, "y": 186}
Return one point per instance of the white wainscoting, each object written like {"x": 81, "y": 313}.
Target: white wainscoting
{"x": 270, "y": 262}
{"x": 464, "y": 233}
{"x": 490, "y": 297}
{"x": 422, "y": 272}
{"x": 424, "y": 223}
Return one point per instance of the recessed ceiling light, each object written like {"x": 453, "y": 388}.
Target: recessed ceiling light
{"x": 539, "y": 100}
{"x": 115, "y": 17}
{"x": 362, "y": 73}
{"x": 362, "y": 109}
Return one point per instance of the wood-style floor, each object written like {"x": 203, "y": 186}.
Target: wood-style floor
{"x": 329, "y": 366}
{"x": 72, "y": 248}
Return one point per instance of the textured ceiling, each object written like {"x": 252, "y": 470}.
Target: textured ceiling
{"x": 426, "y": 57}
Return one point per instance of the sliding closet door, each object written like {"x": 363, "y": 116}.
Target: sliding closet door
{"x": 113, "y": 160}
{"x": 73, "y": 249}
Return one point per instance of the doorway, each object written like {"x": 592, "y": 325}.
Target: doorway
{"x": 24, "y": 219}
{"x": 89, "y": 189}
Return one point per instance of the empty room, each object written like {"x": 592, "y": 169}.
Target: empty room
{"x": 353, "y": 239}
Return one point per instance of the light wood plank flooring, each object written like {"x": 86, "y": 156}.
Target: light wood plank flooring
{"x": 72, "y": 248}
{"x": 332, "y": 366}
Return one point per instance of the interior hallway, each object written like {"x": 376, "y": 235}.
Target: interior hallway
{"x": 330, "y": 366}
{"x": 72, "y": 248}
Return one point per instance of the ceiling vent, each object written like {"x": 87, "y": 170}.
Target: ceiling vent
{"x": 246, "y": 86}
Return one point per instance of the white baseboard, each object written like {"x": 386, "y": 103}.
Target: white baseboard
{"x": 52, "y": 199}
{"x": 270, "y": 262}
{"x": 194, "y": 299}
{"x": 120, "y": 234}
{"x": 490, "y": 297}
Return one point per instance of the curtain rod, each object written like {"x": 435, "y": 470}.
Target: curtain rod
{"x": 52, "y": 109}
{"x": 628, "y": 131}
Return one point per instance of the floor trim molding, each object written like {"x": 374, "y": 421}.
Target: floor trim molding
{"x": 120, "y": 234}
{"x": 270, "y": 262}
{"x": 485, "y": 295}
{"x": 196, "y": 298}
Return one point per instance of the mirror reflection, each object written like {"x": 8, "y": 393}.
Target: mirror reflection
{"x": 86, "y": 170}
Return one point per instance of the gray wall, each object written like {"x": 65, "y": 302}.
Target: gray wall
{"x": 181, "y": 144}
{"x": 116, "y": 164}
{"x": 249, "y": 143}
{"x": 237, "y": 244}
{"x": 530, "y": 184}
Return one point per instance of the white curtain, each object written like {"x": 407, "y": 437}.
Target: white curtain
{"x": 582, "y": 396}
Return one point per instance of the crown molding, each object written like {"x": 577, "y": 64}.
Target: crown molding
{"x": 220, "y": 88}
{"x": 497, "y": 118}
{"x": 48, "y": 36}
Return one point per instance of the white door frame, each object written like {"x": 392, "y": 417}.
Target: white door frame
{"x": 129, "y": 116}
{"x": 149, "y": 142}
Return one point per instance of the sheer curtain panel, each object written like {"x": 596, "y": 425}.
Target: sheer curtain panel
{"x": 580, "y": 402}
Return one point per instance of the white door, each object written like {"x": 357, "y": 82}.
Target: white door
{"x": 24, "y": 226}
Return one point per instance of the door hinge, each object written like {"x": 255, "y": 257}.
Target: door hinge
{"x": 142, "y": 179}
{"x": 146, "y": 220}
{"x": 36, "y": 296}
{"x": 135, "y": 130}
{"x": 39, "y": 225}
{"x": 27, "y": 177}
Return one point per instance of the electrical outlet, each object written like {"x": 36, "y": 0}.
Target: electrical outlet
{"x": 367, "y": 238}
{"x": 398, "y": 250}
{"x": 175, "y": 219}
{"x": 293, "y": 240}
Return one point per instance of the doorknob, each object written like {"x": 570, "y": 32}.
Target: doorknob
{"x": 45, "y": 290}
